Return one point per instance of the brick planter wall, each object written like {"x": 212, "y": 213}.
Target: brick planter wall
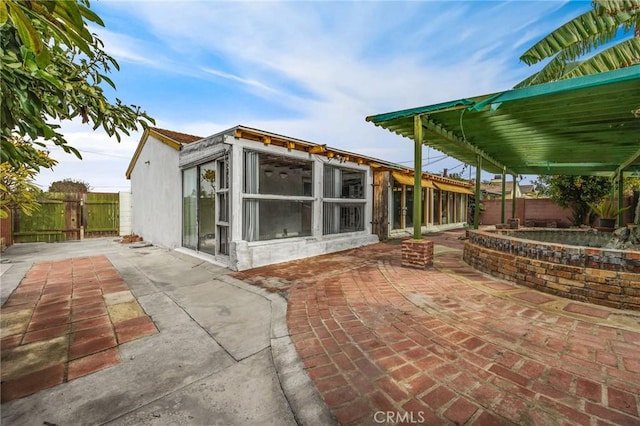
{"x": 417, "y": 253}
{"x": 600, "y": 276}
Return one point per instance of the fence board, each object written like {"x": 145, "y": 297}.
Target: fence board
{"x": 102, "y": 213}
{"x": 61, "y": 216}
{"x": 45, "y": 225}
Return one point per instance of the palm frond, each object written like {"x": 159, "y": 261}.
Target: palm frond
{"x": 580, "y": 35}
{"x": 623, "y": 54}
{"x": 616, "y": 6}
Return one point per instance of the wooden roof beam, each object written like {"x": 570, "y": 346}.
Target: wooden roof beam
{"x": 632, "y": 159}
{"x": 440, "y": 131}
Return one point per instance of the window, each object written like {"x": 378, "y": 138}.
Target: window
{"x": 205, "y": 207}
{"x": 223, "y": 206}
{"x": 189, "y": 208}
{"x": 344, "y": 200}
{"x": 277, "y": 195}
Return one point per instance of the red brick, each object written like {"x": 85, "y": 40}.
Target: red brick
{"x": 32, "y": 383}
{"x": 10, "y": 341}
{"x": 623, "y": 401}
{"x": 460, "y": 411}
{"x": 472, "y": 343}
{"x": 512, "y": 408}
{"x": 445, "y": 373}
{"x": 45, "y": 334}
{"x": 340, "y": 396}
{"x": 351, "y": 412}
{"x": 86, "y": 313}
{"x": 316, "y": 361}
{"x": 560, "y": 379}
{"x": 531, "y": 369}
{"x": 392, "y": 388}
{"x": 464, "y": 383}
{"x": 485, "y": 395}
{"x": 438, "y": 397}
{"x": 489, "y": 419}
{"x": 84, "y": 347}
{"x": 632, "y": 365}
{"x": 329, "y": 383}
{"x": 420, "y": 384}
{"x": 588, "y": 389}
{"x": 322, "y": 371}
{"x": 92, "y": 363}
{"x": 382, "y": 403}
{"x": 611, "y": 416}
{"x": 368, "y": 368}
{"x": 134, "y": 328}
{"x": 91, "y": 323}
{"x": 343, "y": 362}
{"x": 404, "y": 372}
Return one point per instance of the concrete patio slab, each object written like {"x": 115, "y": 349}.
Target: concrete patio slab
{"x": 182, "y": 361}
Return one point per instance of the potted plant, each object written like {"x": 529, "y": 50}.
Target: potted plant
{"x": 607, "y": 212}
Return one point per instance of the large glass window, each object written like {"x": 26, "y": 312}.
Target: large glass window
{"x": 338, "y": 214}
{"x": 189, "y": 208}
{"x": 206, "y": 208}
{"x": 200, "y": 220}
{"x": 276, "y": 219}
{"x": 277, "y": 191}
{"x": 271, "y": 174}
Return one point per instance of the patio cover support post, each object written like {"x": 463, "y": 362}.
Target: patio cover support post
{"x": 476, "y": 210}
{"x": 504, "y": 190}
{"x": 620, "y": 197}
{"x": 513, "y": 198}
{"x": 417, "y": 178}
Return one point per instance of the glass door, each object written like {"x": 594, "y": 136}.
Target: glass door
{"x": 207, "y": 208}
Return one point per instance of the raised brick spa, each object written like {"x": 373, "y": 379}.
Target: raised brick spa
{"x": 589, "y": 274}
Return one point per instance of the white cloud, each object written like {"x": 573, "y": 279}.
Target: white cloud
{"x": 313, "y": 70}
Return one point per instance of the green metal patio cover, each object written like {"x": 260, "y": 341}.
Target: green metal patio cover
{"x": 581, "y": 126}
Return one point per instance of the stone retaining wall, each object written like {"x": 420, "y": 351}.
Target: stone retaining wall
{"x": 604, "y": 277}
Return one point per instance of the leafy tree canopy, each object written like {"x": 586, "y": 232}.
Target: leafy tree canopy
{"x": 54, "y": 69}
{"x": 17, "y": 189}
{"x": 575, "y": 192}
{"x": 608, "y": 21}
{"x": 69, "y": 186}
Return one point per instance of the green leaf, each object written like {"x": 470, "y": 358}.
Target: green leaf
{"x": 4, "y": 13}
{"x": 26, "y": 31}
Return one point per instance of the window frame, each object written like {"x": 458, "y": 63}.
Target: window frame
{"x": 343, "y": 202}
{"x": 252, "y": 235}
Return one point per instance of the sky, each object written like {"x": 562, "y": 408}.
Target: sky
{"x": 311, "y": 70}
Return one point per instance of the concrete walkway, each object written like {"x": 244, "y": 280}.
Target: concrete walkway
{"x": 222, "y": 355}
{"x": 386, "y": 344}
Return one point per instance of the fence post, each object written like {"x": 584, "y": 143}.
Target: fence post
{"x": 82, "y": 219}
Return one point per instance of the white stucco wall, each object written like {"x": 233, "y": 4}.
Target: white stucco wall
{"x": 156, "y": 189}
{"x": 125, "y": 213}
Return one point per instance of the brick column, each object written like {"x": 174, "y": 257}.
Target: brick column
{"x": 417, "y": 253}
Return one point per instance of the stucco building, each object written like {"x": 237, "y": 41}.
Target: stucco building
{"x": 246, "y": 197}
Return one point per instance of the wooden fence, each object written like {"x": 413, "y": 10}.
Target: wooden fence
{"x": 63, "y": 217}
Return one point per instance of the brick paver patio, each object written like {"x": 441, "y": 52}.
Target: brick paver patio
{"x": 450, "y": 345}
{"x": 65, "y": 320}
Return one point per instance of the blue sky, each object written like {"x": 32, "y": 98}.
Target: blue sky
{"x": 312, "y": 70}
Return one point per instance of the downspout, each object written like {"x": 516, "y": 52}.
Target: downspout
{"x": 620, "y": 198}
{"x": 504, "y": 194}
{"x": 513, "y": 198}
{"x": 417, "y": 178}
{"x": 476, "y": 210}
